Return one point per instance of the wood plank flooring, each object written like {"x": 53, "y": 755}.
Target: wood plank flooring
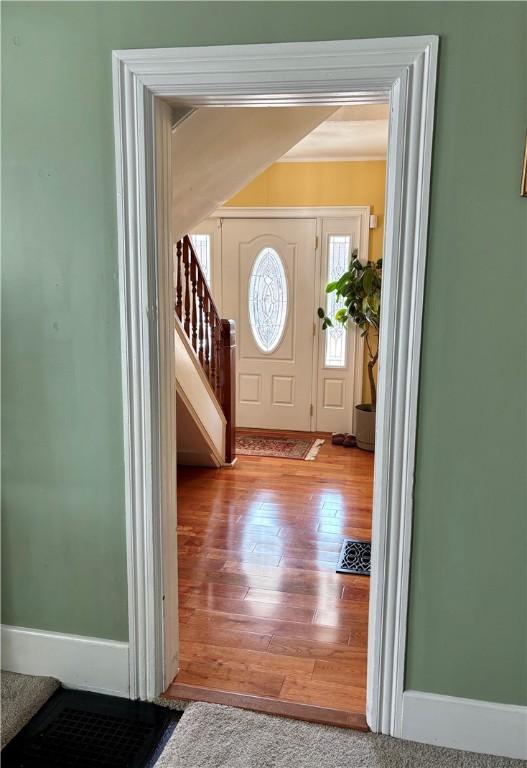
{"x": 265, "y": 622}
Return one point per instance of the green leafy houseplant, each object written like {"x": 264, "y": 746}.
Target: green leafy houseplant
{"x": 358, "y": 292}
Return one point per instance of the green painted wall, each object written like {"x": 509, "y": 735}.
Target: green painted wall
{"x": 63, "y": 518}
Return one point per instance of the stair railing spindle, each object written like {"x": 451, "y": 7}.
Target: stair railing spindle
{"x": 194, "y": 319}
{"x": 201, "y": 290}
{"x": 206, "y": 331}
{"x": 212, "y": 366}
{"x": 186, "y": 262}
{"x": 179, "y": 285}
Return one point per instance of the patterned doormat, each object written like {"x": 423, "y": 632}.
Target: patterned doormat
{"x": 355, "y": 557}
{"x": 278, "y": 447}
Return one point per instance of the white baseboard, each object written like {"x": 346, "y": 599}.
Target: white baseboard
{"x": 468, "y": 724}
{"x": 86, "y": 663}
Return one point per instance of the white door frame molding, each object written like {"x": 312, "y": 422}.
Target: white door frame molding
{"x": 328, "y": 72}
{"x": 320, "y": 213}
{"x": 296, "y": 212}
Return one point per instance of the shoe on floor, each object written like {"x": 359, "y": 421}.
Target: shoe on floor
{"x": 349, "y": 441}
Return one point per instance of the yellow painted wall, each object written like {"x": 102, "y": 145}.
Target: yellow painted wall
{"x": 291, "y": 184}
{"x": 316, "y": 184}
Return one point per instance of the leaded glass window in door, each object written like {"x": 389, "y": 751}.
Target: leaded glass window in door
{"x": 339, "y": 254}
{"x": 268, "y": 299}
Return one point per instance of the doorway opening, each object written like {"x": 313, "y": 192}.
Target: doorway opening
{"x": 148, "y": 85}
{"x": 266, "y": 621}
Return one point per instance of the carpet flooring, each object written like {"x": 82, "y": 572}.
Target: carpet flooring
{"x": 22, "y": 697}
{"x": 211, "y": 736}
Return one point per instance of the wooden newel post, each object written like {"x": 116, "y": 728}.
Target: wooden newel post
{"x": 228, "y": 367}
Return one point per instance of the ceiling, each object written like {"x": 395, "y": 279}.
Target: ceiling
{"x": 351, "y": 133}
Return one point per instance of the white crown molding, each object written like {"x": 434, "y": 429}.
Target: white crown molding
{"x": 326, "y": 72}
{"x": 86, "y": 663}
{"x": 475, "y": 726}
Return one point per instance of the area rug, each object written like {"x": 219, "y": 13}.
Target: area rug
{"x": 213, "y": 736}
{"x": 278, "y": 447}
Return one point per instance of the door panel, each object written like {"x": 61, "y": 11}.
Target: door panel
{"x": 269, "y": 290}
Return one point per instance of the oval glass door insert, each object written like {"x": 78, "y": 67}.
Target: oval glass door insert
{"x": 267, "y": 299}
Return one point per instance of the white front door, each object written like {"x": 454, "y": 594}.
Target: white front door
{"x": 268, "y": 271}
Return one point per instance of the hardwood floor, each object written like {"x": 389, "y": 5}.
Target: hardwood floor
{"x": 265, "y": 622}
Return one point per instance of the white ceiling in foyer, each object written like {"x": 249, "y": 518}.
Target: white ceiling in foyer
{"x": 351, "y": 133}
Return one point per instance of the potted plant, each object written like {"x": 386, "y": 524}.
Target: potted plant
{"x": 358, "y": 294}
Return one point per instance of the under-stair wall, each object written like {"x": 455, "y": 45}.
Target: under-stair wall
{"x": 200, "y": 420}
{"x": 217, "y": 151}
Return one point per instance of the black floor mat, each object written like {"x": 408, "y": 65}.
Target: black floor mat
{"x": 75, "y": 729}
{"x": 355, "y": 557}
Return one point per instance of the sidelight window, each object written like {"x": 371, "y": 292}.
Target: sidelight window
{"x": 201, "y": 244}
{"x": 339, "y": 254}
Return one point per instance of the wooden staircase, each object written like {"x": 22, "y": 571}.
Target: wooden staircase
{"x": 212, "y": 337}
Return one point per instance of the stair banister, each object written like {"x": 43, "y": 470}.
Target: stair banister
{"x": 212, "y": 337}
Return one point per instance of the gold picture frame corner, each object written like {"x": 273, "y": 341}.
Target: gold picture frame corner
{"x": 523, "y": 190}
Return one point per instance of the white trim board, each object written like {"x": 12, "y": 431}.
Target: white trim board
{"x": 294, "y": 212}
{"x": 85, "y": 663}
{"x": 295, "y": 74}
{"x": 468, "y": 724}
